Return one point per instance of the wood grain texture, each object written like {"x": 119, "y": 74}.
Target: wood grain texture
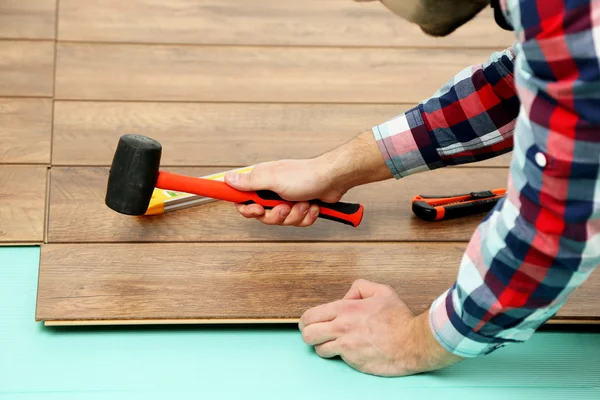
{"x": 25, "y": 130}
{"x": 255, "y": 74}
{"x": 26, "y": 68}
{"x": 78, "y": 214}
{"x": 245, "y": 281}
{"x": 27, "y": 19}
{"x": 22, "y": 203}
{"x": 213, "y": 134}
{"x": 262, "y": 22}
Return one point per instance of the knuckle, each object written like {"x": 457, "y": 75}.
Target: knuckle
{"x": 248, "y": 214}
{"x": 351, "y": 307}
{"x": 359, "y": 282}
{"x": 387, "y": 289}
{"x": 343, "y": 326}
{"x": 274, "y": 218}
{"x": 251, "y": 177}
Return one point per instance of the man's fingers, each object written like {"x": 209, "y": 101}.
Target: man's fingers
{"x": 323, "y": 313}
{"x": 318, "y": 333}
{"x": 276, "y": 215}
{"x": 250, "y": 210}
{"x": 328, "y": 349}
{"x": 297, "y": 214}
{"x": 310, "y": 217}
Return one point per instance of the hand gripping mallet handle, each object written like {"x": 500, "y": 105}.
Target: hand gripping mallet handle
{"x": 135, "y": 174}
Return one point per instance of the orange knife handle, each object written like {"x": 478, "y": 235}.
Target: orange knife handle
{"x": 436, "y": 208}
{"x": 346, "y": 213}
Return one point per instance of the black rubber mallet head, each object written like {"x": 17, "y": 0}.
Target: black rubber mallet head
{"x": 134, "y": 174}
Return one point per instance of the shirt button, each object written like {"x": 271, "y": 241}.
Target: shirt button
{"x": 540, "y": 159}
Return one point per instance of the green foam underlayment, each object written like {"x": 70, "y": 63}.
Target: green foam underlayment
{"x": 208, "y": 362}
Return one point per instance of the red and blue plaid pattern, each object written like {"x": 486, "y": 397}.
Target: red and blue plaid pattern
{"x": 540, "y": 99}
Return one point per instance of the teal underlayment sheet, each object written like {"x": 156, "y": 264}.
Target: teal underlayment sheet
{"x": 238, "y": 362}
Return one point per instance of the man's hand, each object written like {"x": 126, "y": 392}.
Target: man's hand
{"x": 293, "y": 180}
{"x": 326, "y": 178}
{"x": 375, "y": 332}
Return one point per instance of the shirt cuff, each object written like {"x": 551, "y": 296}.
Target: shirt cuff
{"x": 405, "y": 144}
{"x": 454, "y": 335}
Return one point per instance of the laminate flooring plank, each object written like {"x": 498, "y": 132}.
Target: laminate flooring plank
{"x": 27, "y": 19}
{"x": 261, "y": 22}
{"x": 22, "y": 203}
{"x": 213, "y": 134}
{"x": 556, "y": 321}
{"x": 25, "y": 130}
{"x": 26, "y": 68}
{"x": 245, "y": 281}
{"x": 255, "y": 74}
{"x": 77, "y": 212}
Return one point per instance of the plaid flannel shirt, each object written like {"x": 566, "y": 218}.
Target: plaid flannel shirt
{"x": 540, "y": 99}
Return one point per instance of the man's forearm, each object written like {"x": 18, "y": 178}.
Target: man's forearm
{"x": 430, "y": 136}
{"x": 356, "y": 162}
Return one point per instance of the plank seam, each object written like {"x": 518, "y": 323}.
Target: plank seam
{"x": 167, "y": 101}
{"x": 259, "y": 102}
{"x": 24, "y": 97}
{"x": 56, "y": 19}
{"x": 47, "y": 206}
{"x": 25, "y": 164}
{"x": 47, "y": 40}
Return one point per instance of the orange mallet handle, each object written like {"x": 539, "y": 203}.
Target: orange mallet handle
{"x": 346, "y": 213}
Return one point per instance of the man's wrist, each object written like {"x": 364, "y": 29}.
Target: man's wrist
{"x": 427, "y": 354}
{"x": 356, "y": 163}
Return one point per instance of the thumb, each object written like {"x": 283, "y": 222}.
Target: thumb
{"x": 362, "y": 289}
{"x": 257, "y": 179}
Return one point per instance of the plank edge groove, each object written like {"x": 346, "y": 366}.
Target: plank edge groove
{"x": 21, "y": 243}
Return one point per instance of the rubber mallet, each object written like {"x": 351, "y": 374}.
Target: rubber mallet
{"x": 134, "y": 174}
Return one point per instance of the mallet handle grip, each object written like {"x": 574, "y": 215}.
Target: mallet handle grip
{"x": 346, "y": 213}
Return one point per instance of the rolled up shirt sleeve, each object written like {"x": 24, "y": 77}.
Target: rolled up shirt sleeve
{"x": 470, "y": 118}
{"x": 542, "y": 241}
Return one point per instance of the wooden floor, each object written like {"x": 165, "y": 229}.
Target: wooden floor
{"x": 221, "y": 84}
